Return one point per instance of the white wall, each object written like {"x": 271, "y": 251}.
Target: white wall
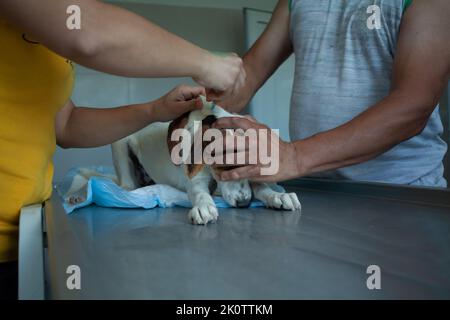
{"x": 212, "y": 28}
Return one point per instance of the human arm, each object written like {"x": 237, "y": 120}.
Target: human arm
{"x": 270, "y": 51}
{"x": 78, "y": 127}
{"x": 116, "y": 41}
{"x": 421, "y": 73}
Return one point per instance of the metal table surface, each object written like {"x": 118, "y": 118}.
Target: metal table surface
{"x": 323, "y": 252}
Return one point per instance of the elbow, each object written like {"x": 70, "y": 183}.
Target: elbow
{"x": 95, "y": 36}
{"x": 79, "y": 45}
{"x": 414, "y": 113}
{"x": 416, "y": 127}
{"x": 63, "y": 144}
{"x": 85, "y": 47}
{"x": 424, "y": 110}
{"x": 417, "y": 121}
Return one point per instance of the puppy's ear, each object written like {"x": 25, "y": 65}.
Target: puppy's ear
{"x": 208, "y": 122}
{"x": 178, "y": 123}
{"x": 193, "y": 169}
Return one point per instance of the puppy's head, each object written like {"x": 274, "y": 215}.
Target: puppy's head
{"x": 236, "y": 193}
{"x": 207, "y": 116}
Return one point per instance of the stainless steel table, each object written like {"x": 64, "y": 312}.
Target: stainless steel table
{"x": 323, "y": 252}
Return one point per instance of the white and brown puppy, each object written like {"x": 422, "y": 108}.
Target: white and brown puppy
{"x": 144, "y": 158}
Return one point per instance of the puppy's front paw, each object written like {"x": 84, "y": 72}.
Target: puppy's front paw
{"x": 203, "y": 214}
{"x": 284, "y": 201}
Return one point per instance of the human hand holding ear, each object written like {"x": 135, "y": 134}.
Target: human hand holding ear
{"x": 176, "y": 103}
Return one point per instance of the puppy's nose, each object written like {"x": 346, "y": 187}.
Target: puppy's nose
{"x": 244, "y": 203}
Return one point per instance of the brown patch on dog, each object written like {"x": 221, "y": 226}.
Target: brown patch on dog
{"x": 208, "y": 121}
{"x": 178, "y": 123}
{"x": 193, "y": 169}
{"x": 141, "y": 176}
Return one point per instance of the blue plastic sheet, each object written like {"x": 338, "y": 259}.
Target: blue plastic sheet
{"x": 103, "y": 191}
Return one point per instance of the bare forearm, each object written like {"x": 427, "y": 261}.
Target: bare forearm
{"x": 370, "y": 134}
{"x": 129, "y": 45}
{"x": 263, "y": 59}
{"x": 267, "y": 54}
{"x": 88, "y": 127}
{"x": 111, "y": 39}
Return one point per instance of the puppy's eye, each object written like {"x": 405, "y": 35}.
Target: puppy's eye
{"x": 209, "y": 120}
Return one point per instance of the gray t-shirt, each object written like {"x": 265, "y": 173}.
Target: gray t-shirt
{"x": 343, "y": 68}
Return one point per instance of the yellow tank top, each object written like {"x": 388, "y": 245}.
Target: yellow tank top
{"x": 34, "y": 84}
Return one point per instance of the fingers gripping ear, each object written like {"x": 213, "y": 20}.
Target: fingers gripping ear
{"x": 186, "y": 106}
